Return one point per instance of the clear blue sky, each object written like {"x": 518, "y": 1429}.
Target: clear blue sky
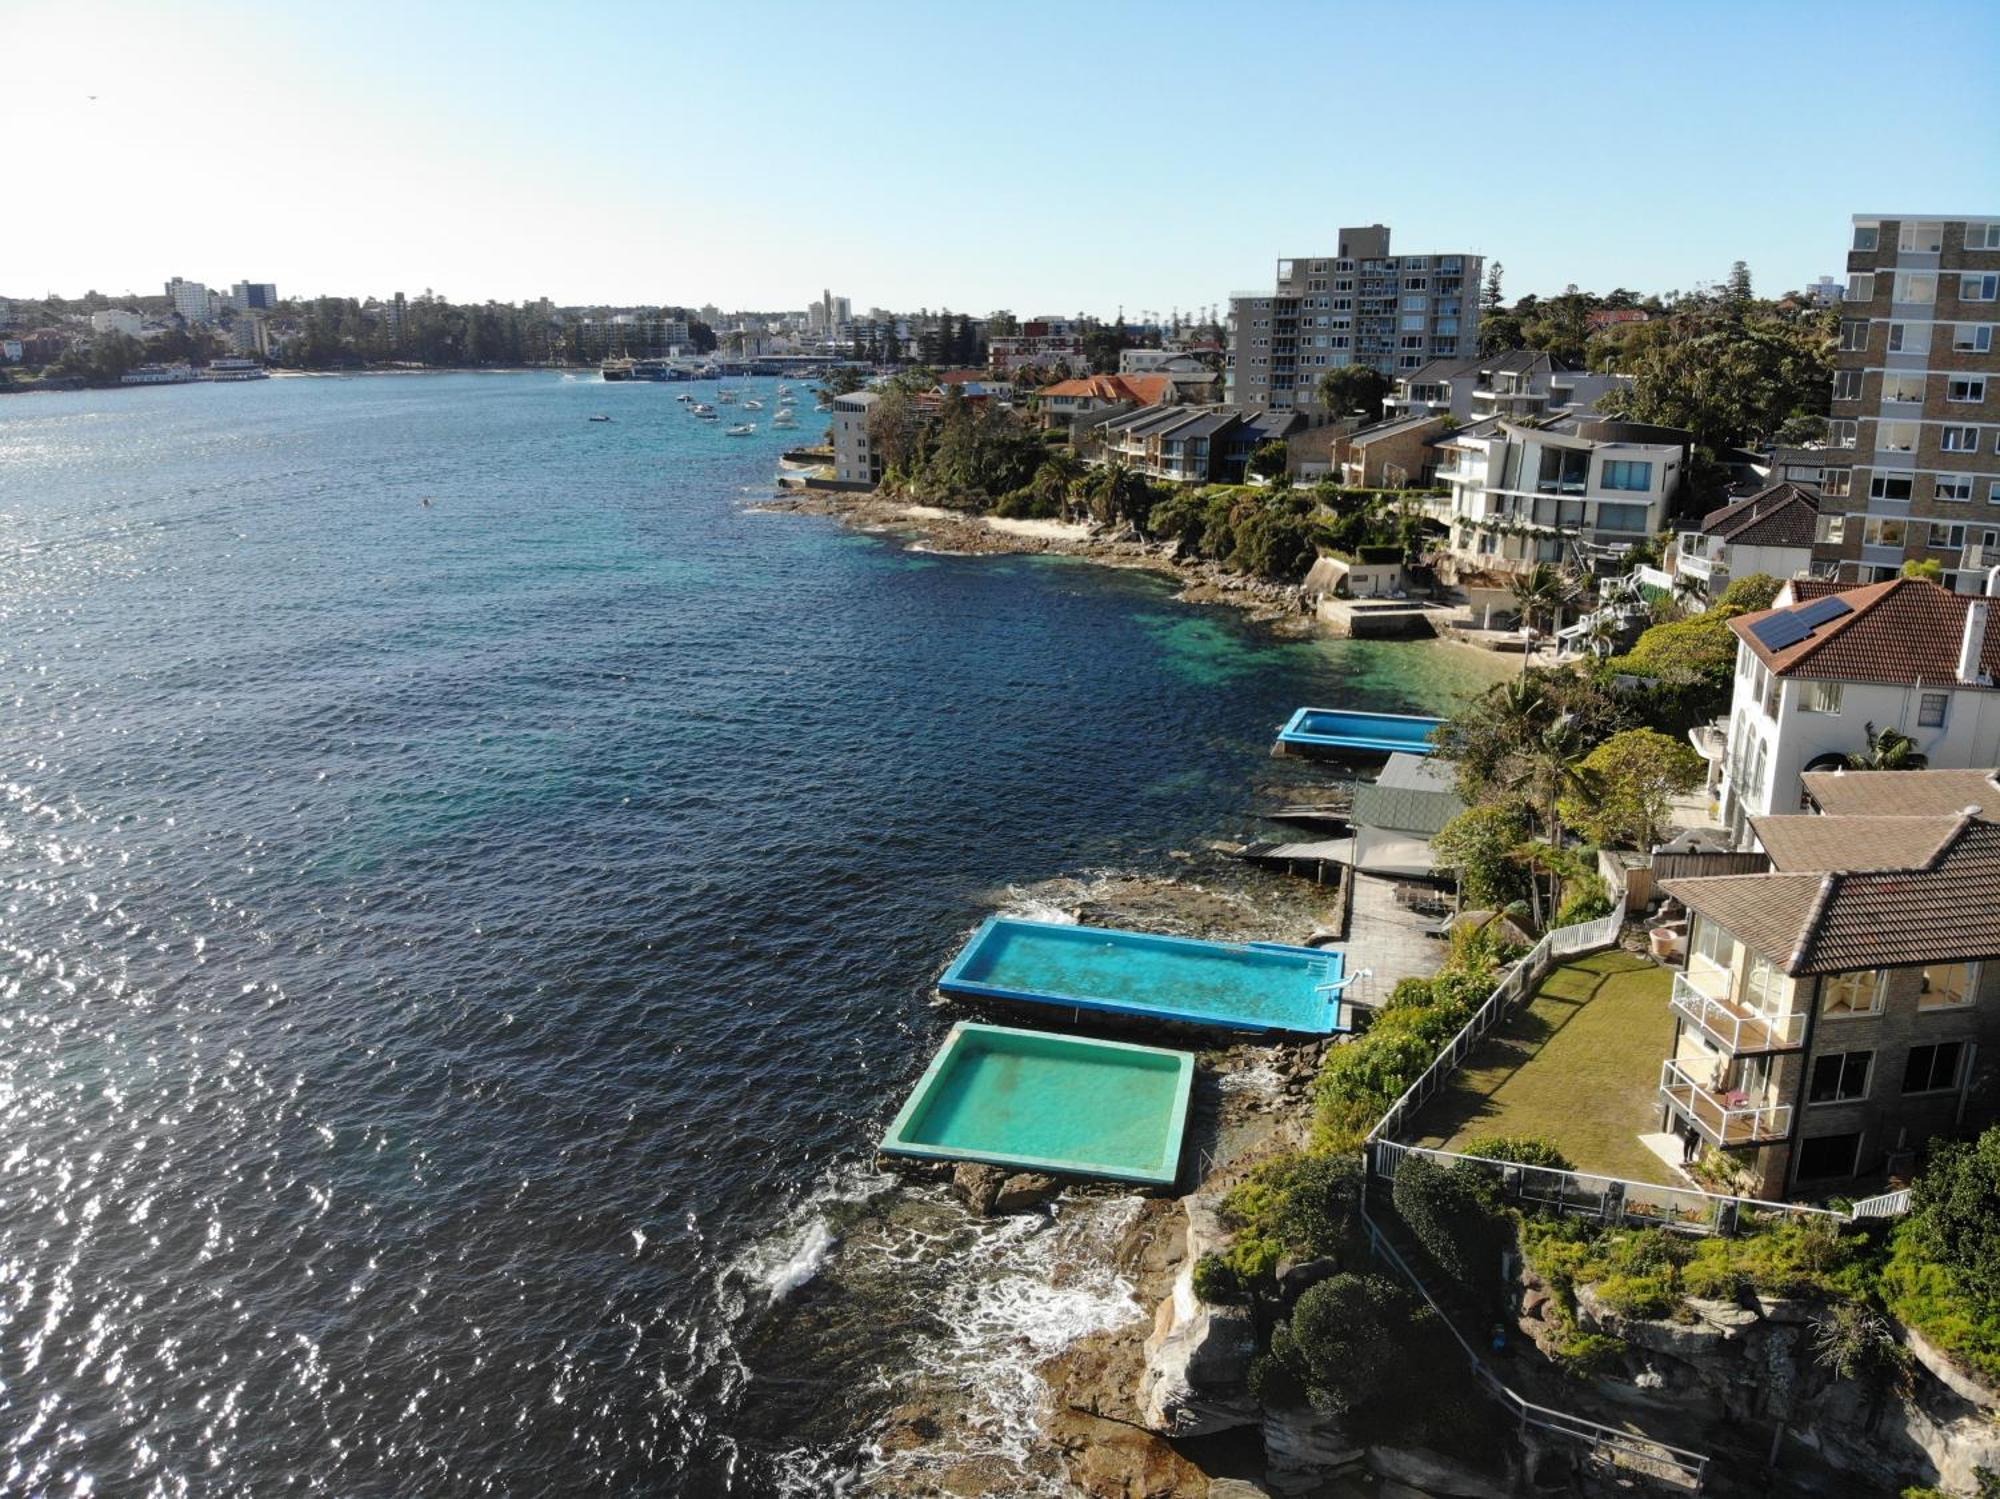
{"x": 1038, "y": 156}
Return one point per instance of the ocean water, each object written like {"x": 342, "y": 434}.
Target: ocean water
{"x": 470, "y": 888}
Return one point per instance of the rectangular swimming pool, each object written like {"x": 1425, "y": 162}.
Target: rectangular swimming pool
{"x": 1246, "y": 986}
{"x": 1345, "y": 729}
{"x": 1043, "y": 1102}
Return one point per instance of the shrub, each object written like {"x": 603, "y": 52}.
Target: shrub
{"x": 1525, "y": 1150}
{"x": 1215, "y": 1279}
{"x": 1345, "y": 1342}
{"x": 1582, "y": 1354}
{"x": 1026, "y": 504}
{"x": 1478, "y": 847}
{"x": 1925, "y": 1293}
{"x": 1749, "y": 593}
{"x": 1857, "y": 1343}
{"x": 1447, "y": 1213}
{"x": 1316, "y": 1213}
{"x": 1955, "y": 1208}
{"x": 1584, "y": 899}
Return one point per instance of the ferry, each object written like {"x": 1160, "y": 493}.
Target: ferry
{"x": 617, "y": 369}
{"x": 235, "y": 369}
{"x": 158, "y": 374}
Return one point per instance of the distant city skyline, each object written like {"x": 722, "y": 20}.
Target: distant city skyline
{"x": 1039, "y": 160}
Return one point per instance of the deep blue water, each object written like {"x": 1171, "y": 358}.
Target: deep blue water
{"x": 438, "y": 942}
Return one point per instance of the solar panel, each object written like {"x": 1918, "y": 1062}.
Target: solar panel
{"x": 1780, "y": 630}
{"x": 1819, "y": 611}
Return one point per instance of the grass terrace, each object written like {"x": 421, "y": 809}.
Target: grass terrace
{"x": 1579, "y": 1065}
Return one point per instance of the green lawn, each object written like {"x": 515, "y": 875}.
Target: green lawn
{"x": 1581, "y": 1065}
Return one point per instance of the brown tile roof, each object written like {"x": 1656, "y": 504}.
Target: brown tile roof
{"x": 1142, "y": 390}
{"x": 1896, "y": 632}
{"x": 1904, "y": 793}
{"x": 1780, "y": 515}
{"x": 1943, "y": 909}
{"x": 1806, "y": 845}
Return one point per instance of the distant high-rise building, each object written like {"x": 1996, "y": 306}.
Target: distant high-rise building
{"x": 1911, "y": 467}
{"x": 192, "y": 300}
{"x": 253, "y": 296}
{"x": 1361, "y": 305}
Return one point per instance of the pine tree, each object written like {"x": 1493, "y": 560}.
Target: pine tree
{"x": 1489, "y": 298}
{"x": 1739, "y": 283}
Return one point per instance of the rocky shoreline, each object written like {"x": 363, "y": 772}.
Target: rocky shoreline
{"x": 1283, "y": 606}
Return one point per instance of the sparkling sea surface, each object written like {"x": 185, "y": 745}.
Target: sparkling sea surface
{"x": 456, "y": 957}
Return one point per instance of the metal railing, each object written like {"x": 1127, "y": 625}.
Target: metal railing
{"x": 1883, "y": 1205}
{"x": 1657, "y": 1458}
{"x": 1736, "y": 1030}
{"x": 1720, "y": 1119}
{"x": 1614, "y": 1200}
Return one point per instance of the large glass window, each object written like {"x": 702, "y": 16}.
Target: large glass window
{"x": 1959, "y": 439}
{"x": 1896, "y": 437}
{"x": 1889, "y": 487}
{"x": 1947, "y": 986}
{"x": 1820, "y": 697}
{"x": 1972, "y": 338}
{"x": 1884, "y": 531}
{"x": 1563, "y": 471}
{"x": 1842, "y": 995}
{"x": 1840, "y": 1077}
{"x": 1714, "y": 945}
{"x": 1932, "y": 1069}
{"x": 1629, "y": 474}
{"x": 1630, "y": 518}
{"x": 1854, "y": 335}
{"x": 1909, "y": 338}
{"x": 1824, "y": 1157}
{"x": 1860, "y": 287}
{"x": 1915, "y": 286}
{"x": 1846, "y": 386}
{"x": 1901, "y": 386}
{"x": 1764, "y": 986}
{"x": 1979, "y": 288}
{"x": 1867, "y": 236}
{"x": 1921, "y": 236}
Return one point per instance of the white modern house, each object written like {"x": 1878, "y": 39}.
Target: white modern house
{"x": 1770, "y": 532}
{"x": 1815, "y": 672}
{"x": 1526, "y": 493}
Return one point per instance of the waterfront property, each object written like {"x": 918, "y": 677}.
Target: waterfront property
{"x": 1241, "y": 986}
{"x": 1838, "y": 1010}
{"x": 1770, "y": 531}
{"x": 1344, "y": 730}
{"x": 1035, "y": 1101}
{"x": 1817, "y": 671}
{"x": 857, "y": 463}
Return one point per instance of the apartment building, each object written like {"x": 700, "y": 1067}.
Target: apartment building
{"x": 1359, "y": 305}
{"x": 1916, "y": 402}
{"x": 1190, "y": 444}
{"x": 116, "y": 320}
{"x": 1841, "y": 1008}
{"x": 192, "y": 300}
{"x": 253, "y": 296}
{"x": 1770, "y": 531}
{"x": 1518, "y": 383}
{"x": 1554, "y": 492}
{"x": 1818, "y": 670}
{"x": 855, "y": 459}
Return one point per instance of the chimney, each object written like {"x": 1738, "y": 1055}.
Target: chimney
{"x": 1972, "y": 644}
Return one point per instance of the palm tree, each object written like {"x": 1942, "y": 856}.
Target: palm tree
{"x": 1687, "y": 588}
{"x": 1057, "y": 478}
{"x": 1887, "y": 749}
{"x": 1600, "y": 633}
{"x": 1540, "y": 593}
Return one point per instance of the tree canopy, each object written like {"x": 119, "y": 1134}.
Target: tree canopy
{"x": 1628, "y": 782}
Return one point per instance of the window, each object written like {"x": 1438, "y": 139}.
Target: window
{"x": 1621, "y": 518}
{"x": 1902, "y": 387}
{"x": 1868, "y": 236}
{"x": 1854, "y": 335}
{"x": 1763, "y": 986}
{"x": 1983, "y": 236}
{"x": 1832, "y": 530}
{"x": 1909, "y": 338}
{"x": 1861, "y": 287}
{"x": 1947, "y": 538}
{"x": 1896, "y": 437}
{"x": 1931, "y": 709}
{"x": 1841, "y": 1077}
{"x": 1948, "y": 986}
{"x": 1979, "y": 288}
{"x": 1953, "y": 487}
{"x": 1965, "y": 388}
{"x": 1922, "y": 236}
{"x": 1715, "y": 944}
{"x": 1889, "y": 487}
{"x": 1842, "y": 434}
{"x": 1820, "y": 697}
{"x": 1845, "y": 995}
{"x": 1884, "y": 531}
{"x": 1972, "y": 338}
{"x": 1628, "y": 474}
{"x": 1837, "y": 482}
{"x": 1847, "y": 385}
{"x": 1959, "y": 439}
{"x": 1915, "y": 287}
{"x": 1826, "y": 1156}
{"x": 1932, "y": 1069}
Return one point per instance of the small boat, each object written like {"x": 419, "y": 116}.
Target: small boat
{"x": 753, "y": 405}
{"x": 705, "y": 416}
{"x": 784, "y": 420}
{"x": 744, "y": 429}
{"x": 600, "y": 418}
{"x": 683, "y": 397}
{"x": 702, "y": 408}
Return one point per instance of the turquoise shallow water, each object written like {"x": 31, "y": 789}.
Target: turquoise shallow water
{"x": 1224, "y": 983}
{"x": 1044, "y": 1099}
{"x": 440, "y": 945}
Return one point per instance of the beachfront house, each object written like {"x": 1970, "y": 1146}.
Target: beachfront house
{"x": 1517, "y": 383}
{"x": 1841, "y": 1008}
{"x": 1817, "y": 670}
{"x": 1397, "y": 454}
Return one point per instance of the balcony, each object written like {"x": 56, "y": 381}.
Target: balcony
{"x": 1738, "y": 1032}
{"x": 1724, "y": 1119}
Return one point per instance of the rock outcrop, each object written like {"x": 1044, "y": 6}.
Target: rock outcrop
{"x": 1196, "y": 1378}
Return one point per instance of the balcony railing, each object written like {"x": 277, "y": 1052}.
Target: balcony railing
{"x": 1727, "y": 1118}
{"x": 1737, "y": 1031}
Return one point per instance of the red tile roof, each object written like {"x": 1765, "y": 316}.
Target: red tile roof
{"x": 1141, "y": 390}
{"x": 1780, "y": 515}
{"x": 1898, "y": 632}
